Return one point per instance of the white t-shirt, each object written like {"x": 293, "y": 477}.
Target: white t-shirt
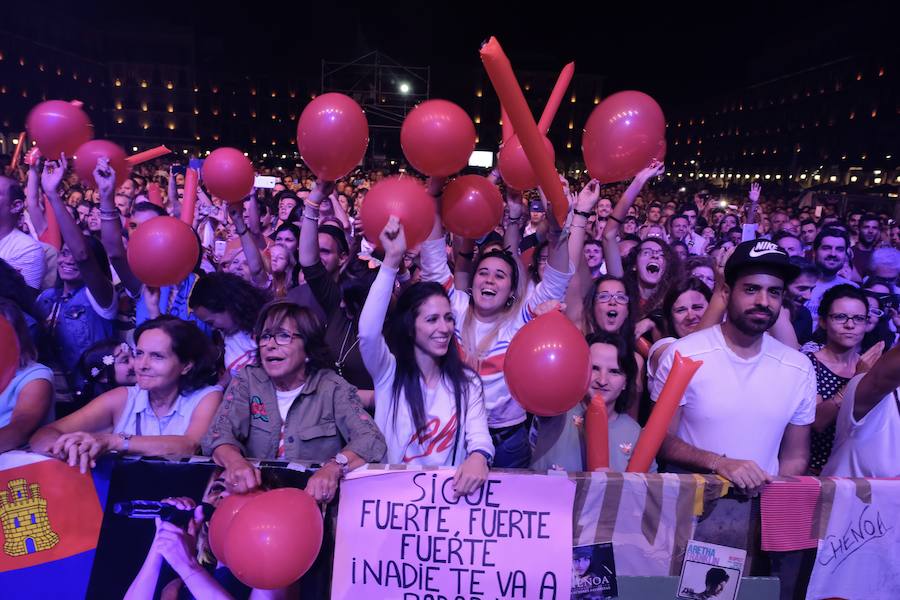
{"x": 869, "y": 447}
{"x": 285, "y": 399}
{"x": 240, "y": 350}
{"x": 25, "y": 255}
{"x": 741, "y": 407}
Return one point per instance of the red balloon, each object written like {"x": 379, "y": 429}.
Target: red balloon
{"x": 222, "y": 518}
{"x": 405, "y": 197}
{"x": 228, "y": 174}
{"x": 548, "y": 365}
{"x": 58, "y": 126}
{"x": 623, "y": 135}
{"x": 9, "y": 353}
{"x": 332, "y": 135}
{"x": 86, "y": 161}
{"x": 437, "y": 138}
{"x": 471, "y": 206}
{"x": 274, "y": 539}
{"x": 514, "y": 166}
{"x": 163, "y": 251}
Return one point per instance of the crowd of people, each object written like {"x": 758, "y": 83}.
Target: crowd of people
{"x": 300, "y": 336}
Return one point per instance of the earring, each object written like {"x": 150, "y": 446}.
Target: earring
{"x": 510, "y": 301}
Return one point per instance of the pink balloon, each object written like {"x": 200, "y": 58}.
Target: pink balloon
{"x": 404, "y": 197}
{"x": 332, "y": 135}
{"x": 623, "y": 135}
{"x": 228, "y": 174}
{"x": 437, "y": 138}
{"x": 86, "y": 161}
{"x": 471, "y": 206}
{"x": 58, "y": 126}
{"x": 514, "y": 166}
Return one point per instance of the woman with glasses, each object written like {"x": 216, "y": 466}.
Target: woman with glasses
{"x": 843, "y": 315}
{"x": 290, "y": 405}
{"x": 883, "y": 312}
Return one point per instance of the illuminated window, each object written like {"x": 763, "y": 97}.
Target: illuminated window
{"x": 477, "y": 119}
{"x": 144, "y": 106}
{"x": 118, "y": 105}
{"x": 143, "y": 84}
{"x": 170, "y": 85}
{"x": 118, "y": 82}
{"x": 478, "y": 93}
{"x": 170, "y": 108}
{"x": 171, "y": 126}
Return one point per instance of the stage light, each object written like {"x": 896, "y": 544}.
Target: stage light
{"x": 404, "y": 88}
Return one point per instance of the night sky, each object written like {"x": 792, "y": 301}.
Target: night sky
{"x": 675, "y": 53}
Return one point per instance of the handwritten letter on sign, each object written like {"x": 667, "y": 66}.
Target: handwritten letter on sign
{"x": 403, "y": 536}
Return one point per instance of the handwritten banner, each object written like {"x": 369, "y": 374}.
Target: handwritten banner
{"x": 402, "y": 535}
{"x": 860, "y": 551}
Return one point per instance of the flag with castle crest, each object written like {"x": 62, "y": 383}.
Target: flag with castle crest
{"x": 50, "y": 517}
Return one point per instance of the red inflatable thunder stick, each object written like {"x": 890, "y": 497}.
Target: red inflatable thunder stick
{"x": 596, "y": 434}
{"x": 507, "y": 87}
{"x": 654, "y": 432}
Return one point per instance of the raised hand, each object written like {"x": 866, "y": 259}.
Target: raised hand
{"x": 393, "y": 240}
{"x": 105, "y": 176}
{"x": 655, "y": 169}
{"x": 755, "y": 189}
{"x": 588, "y": 196}
{"x": 53, "y": 173}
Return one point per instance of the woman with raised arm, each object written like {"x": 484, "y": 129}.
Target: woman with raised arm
{"x": 80, "y": 310}
{"x": 490, "y": 313}
{"x": 428, "y": 403}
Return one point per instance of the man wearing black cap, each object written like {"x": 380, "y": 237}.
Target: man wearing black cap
{"x": 747, "y": 411}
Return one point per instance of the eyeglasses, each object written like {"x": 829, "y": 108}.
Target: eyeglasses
{"x": 842, "y": 318}
{"x": 618, "y": 297}
{"x": 647, "y": 253}
{"x": 282, "y": 338}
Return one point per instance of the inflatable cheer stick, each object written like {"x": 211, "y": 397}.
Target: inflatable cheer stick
{"x": 189, "y": 200}
{"x": 654, "y": 432}
{"x": 507, "y": 87}
{"x": 17, "y": 153}
{"x": 596, "y": 434}
{"x": 643, "y": 347}
{"x": 556, "y": 97}
{"x": 142, "y": 157}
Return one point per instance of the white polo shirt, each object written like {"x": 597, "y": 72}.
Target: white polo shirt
{"x": 741, "y": 407}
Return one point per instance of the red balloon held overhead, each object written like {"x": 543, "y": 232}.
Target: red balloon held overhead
{"x": 86, "y": 161}
{"x": 514, "y": 165}
{"x": 163, "y": 251}
{"x": 221, "y": 520}
{"x": 405, "y": 197}
{"x": 548, "y": 365}
{"x": 332, "y": 135}
{"x": 9, "y": 353}
{"x": 274, "y": 539}
{"x": 623, "y": 135}
{"x": 471, "y": 206}
{"x": 58, "y": 126}
{"x": 228, "y": 174}
{"x": 437, "y": 138}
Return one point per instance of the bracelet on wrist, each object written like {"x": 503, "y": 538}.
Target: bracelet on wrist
{"x": 582, "y": 213}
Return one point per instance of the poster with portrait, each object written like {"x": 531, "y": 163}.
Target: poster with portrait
{"x": 594, "y": 572}
{"x": 710, "y": 571}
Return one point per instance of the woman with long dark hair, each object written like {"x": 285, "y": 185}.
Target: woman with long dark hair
{"x": 428, "y": 403}
{"x": 230, "y": 305}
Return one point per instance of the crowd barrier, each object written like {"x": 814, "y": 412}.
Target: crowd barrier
{"x": 396, "y": 532}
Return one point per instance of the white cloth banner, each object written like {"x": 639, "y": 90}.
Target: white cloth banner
{"x": 859, "y": 556}
{"x": 401, "y": 535}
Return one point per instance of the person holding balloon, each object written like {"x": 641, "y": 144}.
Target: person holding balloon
{"x": 26, "y": 386}
{"x": 80, "y": 310}
{"x": 165, "y": 414}
{"x": 560, "y": 441}
{"x": 428, "y": 402}
{"x": 490, "y": 313}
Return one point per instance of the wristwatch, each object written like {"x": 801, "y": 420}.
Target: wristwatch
{"x": 343, "y": 462}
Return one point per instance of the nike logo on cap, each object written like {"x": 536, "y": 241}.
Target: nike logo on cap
{"x": 762, "y": 248}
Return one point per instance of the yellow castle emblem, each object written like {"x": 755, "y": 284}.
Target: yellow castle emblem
{"x": 23, "y": 513}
